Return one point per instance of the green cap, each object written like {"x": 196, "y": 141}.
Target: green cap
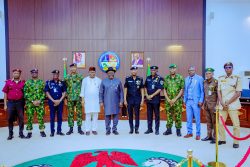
{"x": 172, "y": 66}
{"x": 209, "y": 70}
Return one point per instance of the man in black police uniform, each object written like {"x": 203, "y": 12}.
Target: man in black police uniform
{"x": 55, "y": 90}
{"x": 153, "y": 86}
{"x": 133, "y": 98}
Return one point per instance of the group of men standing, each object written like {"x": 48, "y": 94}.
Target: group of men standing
{"x": 91, "y": 93}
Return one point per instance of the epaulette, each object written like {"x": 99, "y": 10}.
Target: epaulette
{"x": 215, "y": 80}
{"x": 221, "y": 76}
{"x": 236, "y": 76}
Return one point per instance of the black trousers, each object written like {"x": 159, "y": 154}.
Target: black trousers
{"x": 134, "y": 109}
{"x": 56, "y": 110}
{"x": 15, "y": 109}
{"x": 153, "y": 108}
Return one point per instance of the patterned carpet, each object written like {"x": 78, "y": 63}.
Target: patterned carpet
{"x": 106, "y": 158}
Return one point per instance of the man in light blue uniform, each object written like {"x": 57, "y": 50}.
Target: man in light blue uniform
{"x": 193, "y": 98}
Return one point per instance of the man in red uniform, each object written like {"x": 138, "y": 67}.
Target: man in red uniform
{"x": 14, "y": 103}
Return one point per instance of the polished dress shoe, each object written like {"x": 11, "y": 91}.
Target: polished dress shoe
{"x": 148, "y": 131}
{"x": 115, "y": 132}
{"x": 60, "y": 133}
{"x": 88, "y": 133}
{"x": 207, "y": 138}
{"x": 94, "y": 132}
{"x": 188, "y": 135}
{"x": 221, "y": 142}
{"x": 136, "y": 131}
{"x": 131, "y": 131}
{"x": 21, "y": 135}
{"x": 108, "y": 133}
{"x": 157, "y": 132}
{"x": 236, "y": 145}
{"x": 52, "y": 134}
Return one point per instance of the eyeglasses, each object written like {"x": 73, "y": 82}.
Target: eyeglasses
{"x": 228, "y": 67}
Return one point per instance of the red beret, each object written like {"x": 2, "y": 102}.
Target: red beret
{"x": 16, "y": 69}
{"x": 91, "y": 68}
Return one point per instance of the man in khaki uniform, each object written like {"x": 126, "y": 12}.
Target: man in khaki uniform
{"x": 210, "y": 102}
{"x": 229, "y": 91}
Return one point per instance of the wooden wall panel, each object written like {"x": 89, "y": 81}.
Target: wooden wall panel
{"x": 96, "y": 26}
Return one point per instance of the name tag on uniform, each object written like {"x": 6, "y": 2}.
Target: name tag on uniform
{"x": 153, "y": 86}
{"x": 55, "y": 90}
{"x": 209, "y": 93}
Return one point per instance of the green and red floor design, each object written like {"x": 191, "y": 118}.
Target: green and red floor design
{"x": 107, "y": 158}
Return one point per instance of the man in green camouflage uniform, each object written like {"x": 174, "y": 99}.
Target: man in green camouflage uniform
{"x": 173, "y": 90}
{"x": 73, "y": 82}
{"x": 34, "y": 98}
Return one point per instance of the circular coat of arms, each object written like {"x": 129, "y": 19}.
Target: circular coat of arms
{"x": 109, "y": 59}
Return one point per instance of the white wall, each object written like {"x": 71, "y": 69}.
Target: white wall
{"x": 2, "y": 48}
{"x": 228, "y": 35}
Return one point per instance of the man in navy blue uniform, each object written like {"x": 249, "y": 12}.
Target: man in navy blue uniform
{"x": 153, "y": 86}
{"x": 55, "y": 90}
{"x": 133, "y": 98}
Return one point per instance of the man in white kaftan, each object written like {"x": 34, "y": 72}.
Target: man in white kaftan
{"x": 90, "y": 100}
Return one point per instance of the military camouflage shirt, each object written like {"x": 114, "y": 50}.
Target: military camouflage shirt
{"x": 33, "y": 90}
{"x": 73, "y": 83}
{"x": 173, "y": 86}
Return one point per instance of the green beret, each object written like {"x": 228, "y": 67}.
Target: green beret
{"x": 209, "y": 70}
{"x": 172, "y": 66}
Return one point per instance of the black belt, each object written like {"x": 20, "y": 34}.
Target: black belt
{"x": 15, "y": 100}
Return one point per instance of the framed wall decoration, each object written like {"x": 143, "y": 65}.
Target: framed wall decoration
{"x": 79, "y": 57}
{"x": 109, "y": 59}
{"x": 137, "y": 59}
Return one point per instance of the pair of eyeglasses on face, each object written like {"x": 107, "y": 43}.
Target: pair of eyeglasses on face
{"x": 228, "y": 67}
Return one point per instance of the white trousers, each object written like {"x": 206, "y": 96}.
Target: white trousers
{"x": 91, "y": 124}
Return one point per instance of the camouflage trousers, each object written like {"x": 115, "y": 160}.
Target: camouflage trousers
{"x": 30, "y": 111}
{"x": 174, "y": 111}
{"x": 71, "y": 106}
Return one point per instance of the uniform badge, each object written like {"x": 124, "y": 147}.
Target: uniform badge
{"x": 138, "y": 82}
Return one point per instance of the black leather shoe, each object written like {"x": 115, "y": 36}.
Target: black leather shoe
{"x": 131, "y": 131}
{"x": 80, "y": 130}
{"x": 60, "y": 133}
{"x": 108, "y": 133}
{"x": 29, "y": 135}
{"x": 157, "y": 132}
{"x": 43, "y": 134}
{"x": 221, "y": 142}
{"x": 207, "y": 138}
{"x": 178, "y": 132}
{"x": 168, "y": 132}
{"x": 115, "y": 132}
{"x": 88, "y": 133}
{"x": 52, "y": 134}
{"x": 212, "y": 141}
{"x": 21, "y": 135}
{"x": 136, "y": 131}
{"x": 10, "y": 137}
{"x": 148, "y": 131}
{"x": 236, "y": 145}
{"x": 70, "y": 131}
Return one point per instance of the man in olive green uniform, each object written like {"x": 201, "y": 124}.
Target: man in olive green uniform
{"x": 73, "y": 82}
{"x": 210, "y": 102}
{"x": 34, "y": 97}
{"x": 173, "y": 90}
{"x": 229, "y": 92}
